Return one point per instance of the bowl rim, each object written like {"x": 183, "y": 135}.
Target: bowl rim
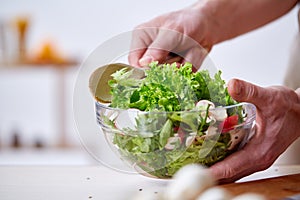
{"x": 106, "y": 106}
{"x": 251, "y": 116}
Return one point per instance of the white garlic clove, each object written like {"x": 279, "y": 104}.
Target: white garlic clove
{"x": 215, "y": 193}
{"x": 189, "y": 182}
{"x": 250, "y": 196}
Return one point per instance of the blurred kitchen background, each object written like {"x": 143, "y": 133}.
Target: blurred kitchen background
{"x": 43, "y": 43}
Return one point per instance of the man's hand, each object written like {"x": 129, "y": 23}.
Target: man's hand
{"x": 277, "y": 126}
{"x": 182, "y": 32}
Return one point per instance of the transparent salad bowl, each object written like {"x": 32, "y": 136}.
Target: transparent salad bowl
{"x": 157, "y": 144}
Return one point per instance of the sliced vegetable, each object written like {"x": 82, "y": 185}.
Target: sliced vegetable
{"x": 229, "y": 123}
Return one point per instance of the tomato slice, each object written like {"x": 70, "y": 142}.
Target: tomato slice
{"x": 229, "y": 123}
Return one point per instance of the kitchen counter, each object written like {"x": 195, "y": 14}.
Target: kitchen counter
{"x": 90, "y": 182}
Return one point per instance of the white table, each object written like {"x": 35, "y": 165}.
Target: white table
{"x": 89, "y": 182}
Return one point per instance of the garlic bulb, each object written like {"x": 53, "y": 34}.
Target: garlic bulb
{"x": 215, "y": 193}
{"x": 188, "y": 183}
{"x": 249, "y": 196}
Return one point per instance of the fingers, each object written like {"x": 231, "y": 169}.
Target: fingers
{"x": 134, "y": 57}
{"x": 154, "y": 44}
{"x": 228, "y": 170}
{"x": 243, "y": 91}
{"x": 153, "y": 54}
{"x": 195, "y": 55}
{"x": 149, "y": 44}
{"x": 141, "y": 39}
{"x": 235, "y": 166}
{"x": 165, "y": 42}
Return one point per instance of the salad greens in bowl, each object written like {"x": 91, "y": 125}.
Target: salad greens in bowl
{"x": 173, "y": 117}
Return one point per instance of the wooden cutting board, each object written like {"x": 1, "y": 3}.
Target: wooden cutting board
{"x": 272, "y": 188}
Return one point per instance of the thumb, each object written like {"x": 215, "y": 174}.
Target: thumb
{"x": 243, "y": 91}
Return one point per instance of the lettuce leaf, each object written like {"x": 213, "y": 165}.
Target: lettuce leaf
{"x": 167, "y": 88}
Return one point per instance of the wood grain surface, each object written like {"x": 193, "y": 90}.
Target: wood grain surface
{"x": 272, "y": 188}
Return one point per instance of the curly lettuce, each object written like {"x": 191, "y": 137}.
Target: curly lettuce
{"x": 167, "y": 87}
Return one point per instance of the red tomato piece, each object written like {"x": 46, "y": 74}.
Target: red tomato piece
{"x": 229, "y": 123}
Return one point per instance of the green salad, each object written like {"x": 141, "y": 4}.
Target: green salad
{"x": 179, "y": 118}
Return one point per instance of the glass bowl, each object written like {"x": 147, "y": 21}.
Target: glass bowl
{"x": 157, "y": 144}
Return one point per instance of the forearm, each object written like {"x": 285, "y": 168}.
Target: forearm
{"x": 298, "y": 109}
{"x": 230, "y": 18}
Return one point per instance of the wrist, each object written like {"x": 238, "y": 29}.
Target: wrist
{"x": 297, "y": 108}
{"x": 216, "y": 19}
{"x": 200, "y": 27}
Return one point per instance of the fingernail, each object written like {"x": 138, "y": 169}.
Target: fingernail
{"x": 237, "y": 87}
{"x": 144, "y": 61}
